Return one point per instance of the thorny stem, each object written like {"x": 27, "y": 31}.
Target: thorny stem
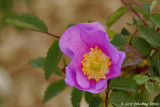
{"x": 134, "y": 11}
{"x": 107, "y": 92}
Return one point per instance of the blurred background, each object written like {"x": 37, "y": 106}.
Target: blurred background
{"x": 22, "y": 85}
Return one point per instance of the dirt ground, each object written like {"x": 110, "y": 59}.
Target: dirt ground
{"x": 21, "y": 85}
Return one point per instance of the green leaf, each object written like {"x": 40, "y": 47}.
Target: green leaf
{"x": 141, "y": 79}
{"x": 157, "y": 99}
{"x": 64, "y": 62}
{"x": 125, "y": 32}
{"x": 133, "y": 56}
{"x": 151, "y": 24}
{"x": 143, "y": 47}
{"x": 52, "y": 59}
{"x": 57, "y": 71}
{"x": 38, "y": 62}
{"x": 150, "y": 35}
{"x": 116, "y": 15}
{"x": 76, "y": 97}
{"x": 54, "y": 89}
{"x": 110, "y": 33}
{"x": 149, "y": 87}
{"x": 95, "y": 101}
{"x": 118, "y": 40}
{"x": 68, "y": 26}
{"x": 88, "y": 96}
{"x": 154, "y": 61}
{"x": 153, "y": 4}
{"x": 138, "y": 9}
{"x": 137, "y": 22}
{"x": 147, "y": 8}
{"x": 155, "y": 18}
{"x": 122, "y": 83}
{"x": 29, "y": 22}
{"x": 122, "y": 99}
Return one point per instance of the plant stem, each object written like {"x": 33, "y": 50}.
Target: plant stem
{"x": 132, "y": 36}
{"x": 107, "y": 92}
{"x": 134, "y": 11}
{"x": 51, "y": 34}
{"x": 46, "y": 33}
{"x": 156, "y": 50}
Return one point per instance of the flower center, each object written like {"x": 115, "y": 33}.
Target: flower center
{"x": 95, "y": 64}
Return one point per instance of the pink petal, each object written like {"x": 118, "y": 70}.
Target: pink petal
{"x": 93, "y": 37}
{"x": 82, "y": 80}
{"x": 115, "y": 69}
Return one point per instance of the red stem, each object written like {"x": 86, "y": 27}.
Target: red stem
{"x": 134, "y": 11}
{"x": 107, "y": 93}
{"x": 51, "y": 34}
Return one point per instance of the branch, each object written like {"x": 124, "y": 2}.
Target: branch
{"x": 134, "y": 11}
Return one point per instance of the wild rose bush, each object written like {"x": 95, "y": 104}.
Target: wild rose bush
{"x": 109, "y": 68}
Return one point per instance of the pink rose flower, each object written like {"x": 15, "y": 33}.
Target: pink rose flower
{"x": 94, "y": 58}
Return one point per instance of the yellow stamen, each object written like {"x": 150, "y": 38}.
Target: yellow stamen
{"x": 95, "y": 64}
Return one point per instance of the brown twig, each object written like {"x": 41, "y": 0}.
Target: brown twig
{"x": 134, "y": 11}
{"x": 107, "y": 92}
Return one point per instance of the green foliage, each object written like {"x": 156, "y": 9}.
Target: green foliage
{"x": 155, "y": 18}
{"x": 147, "y": 8}
{"x": 149, "y": 87}
{"x": 88, "y": 96}
{"x": 154, "y": 61}
{"x": 122, "y": 83}
{"x": 141, "y": 79}
{"x": 157, "y": 99}
{"x": 57, "y": 71}
{"x": 125, "y": 32}
{"x": 54, "y": 89}
{"x": 153, "y": 4}
{"x": 110, "y": 33}
{"x": 29, "y": 22}
{"x": 38, "y": 62}
{"x": 76, "y": 97}
{"x": 143, "y": 47}
{"x": 150, "y": 35}
{"x": 122, "y": 99}
{"x": 133, "y": 56}
{"x": 68, "y": 26}
{"x": 95, "y": 101}
{"x": 52, "y": 59}
{"x": 138, "y": 9}
{"x": 116, "y": 15}
{"x": 64, "y": 62}
{"x": 118, "y": 40}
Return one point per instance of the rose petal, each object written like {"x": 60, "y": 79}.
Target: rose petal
{"x": 70, "y": 76}
{"x": 98, "y": 38}
{"x": 82, "y": 80}
{"x": 115, "y": 69}
{"x": 101, "y": 84}
{"x": 71, "y": 44}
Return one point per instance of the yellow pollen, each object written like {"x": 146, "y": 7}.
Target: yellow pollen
{"x": 95, "y": 64}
